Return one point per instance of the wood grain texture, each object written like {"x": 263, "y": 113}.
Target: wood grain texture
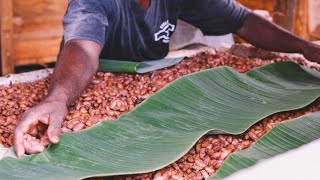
{"x": 37, "y": 30}
{"x": 259, "y": 4}
{"x": 36, "y": 51}
{"x": 301, "y": 19}
{"x": 315, "y": 35}
{"x": 314, "y": 18}
{"x": 292, "y": 15}
{"x": 6, "y": 32}
{"x": 31, "y": 32}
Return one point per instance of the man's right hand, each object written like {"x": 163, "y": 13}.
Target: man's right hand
{"x": 49, "y": 112}
{"x": 78, "y": 62}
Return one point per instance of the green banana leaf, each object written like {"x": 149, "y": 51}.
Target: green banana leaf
{"x": 285, "y": 136}
{"x": 165, "y": 126}
{"x": 106, "y": 65}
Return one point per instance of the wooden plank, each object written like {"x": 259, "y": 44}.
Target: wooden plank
{"x": 36, "y": 60}
{"x": 282, "y": 10}
{"x": 287, "y": 8}
{"x": 6, "y": 37}
{"x": 36, "y": 19}
{"x": 259, "y": 4}
{"x": 315, "y": 35}
{"x": 301, "y": 19}
{"x": 33, "y": 8}
{"x": 314, "y": 19}
{"x": 32, "y": 51}
{"x": 0, "y": 39}
{"x": 38, "y": 30}
{"x": 296, "y": 17}
{"x": 314, "y": 6}
{"x": 292, "y": 15}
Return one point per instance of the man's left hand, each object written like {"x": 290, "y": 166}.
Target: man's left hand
{"x": 312, "y": 52}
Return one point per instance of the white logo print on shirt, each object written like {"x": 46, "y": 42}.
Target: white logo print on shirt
{"x": 164, "y": 33}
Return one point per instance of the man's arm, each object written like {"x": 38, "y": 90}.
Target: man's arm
{"x": 265, "y": 34}
{"x": 77, "y": 64}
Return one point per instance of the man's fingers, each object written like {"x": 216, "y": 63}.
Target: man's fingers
{"x": 33, "y": 131}
{"x": 45, "y": 140}
{"x": 25, "y": 123}
{"x": 36, "y": 120}
{"x": 33, "y": 148}
{"x": 42, "y": 127}
{"x": 54, "y": 130}
{"x": 18, "y": 143}
{"x": 28, "y": 122}
{"x": 44, "y": 119}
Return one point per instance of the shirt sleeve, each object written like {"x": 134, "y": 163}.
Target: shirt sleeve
{"x": 214, "y": 17}
{"x": 85, "y": 20}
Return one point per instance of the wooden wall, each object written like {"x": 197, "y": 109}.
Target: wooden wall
{"x": 314, "y": 8}
{"x": 34, "y": 31}
{"x": 37, "y": 30}
{"x": 0, "y": 39}
{"x": 6, "y": 31}
{"x": 293, "y": 15}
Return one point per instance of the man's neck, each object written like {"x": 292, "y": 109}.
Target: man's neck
{"x": 144, "y": 4}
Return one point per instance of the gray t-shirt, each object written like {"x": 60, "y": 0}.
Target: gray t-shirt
{"x": 128, "y": 32}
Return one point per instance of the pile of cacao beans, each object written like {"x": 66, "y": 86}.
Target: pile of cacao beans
{"x": 112, "y": 94}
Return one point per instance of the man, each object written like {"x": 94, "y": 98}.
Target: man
{"x": 138, "y": 30}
